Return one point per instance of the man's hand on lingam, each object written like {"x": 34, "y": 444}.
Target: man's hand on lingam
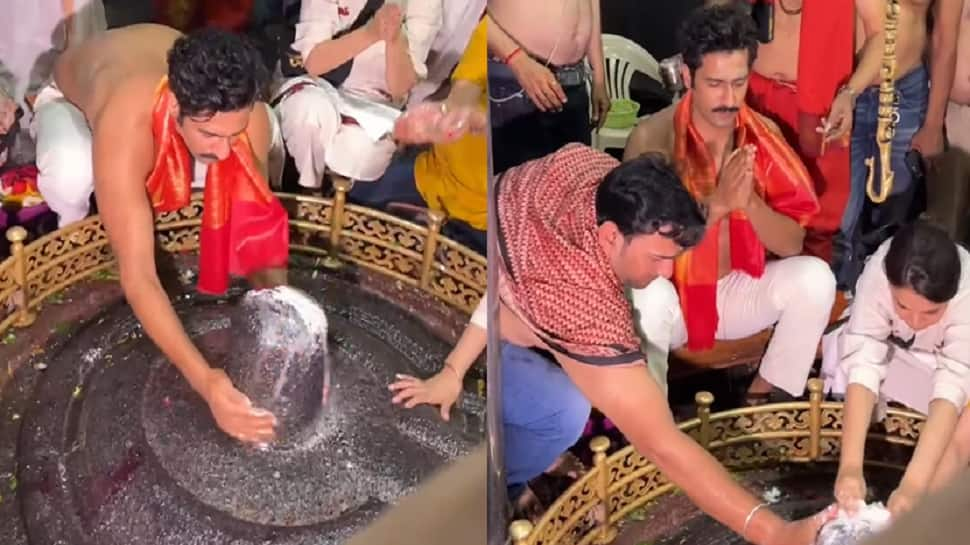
{"x": 442, "y": 389}
{"x": 234, "y": 413}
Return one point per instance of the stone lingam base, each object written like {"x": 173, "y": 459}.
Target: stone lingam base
{"x": 104, "y": 443}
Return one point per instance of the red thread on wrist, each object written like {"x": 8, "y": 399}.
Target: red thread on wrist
{"x": 514, "y": 52}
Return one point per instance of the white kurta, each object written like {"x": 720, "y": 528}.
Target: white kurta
{"x": 935, "y": 366}
{"x": 313, "y": 119}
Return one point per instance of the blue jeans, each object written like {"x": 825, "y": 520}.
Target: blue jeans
{"x": 396, "y": 185}
{"x": 912, "y": 96}
{"x": 543, "y": 414}
{"x": 529, "y": 133}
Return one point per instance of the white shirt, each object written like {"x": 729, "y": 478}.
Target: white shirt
{"x": 320, "y": 20}
{"x": 866, "y": 350}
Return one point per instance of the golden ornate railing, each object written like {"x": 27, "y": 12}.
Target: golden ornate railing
{"x": 331, "y": 229}
{"x": 806, "y": 431}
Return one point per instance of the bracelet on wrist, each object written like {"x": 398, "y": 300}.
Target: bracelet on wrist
{"x": 749, "y": 518}
{"x": 453, "y": 370}
{"x": 508, "y": 58}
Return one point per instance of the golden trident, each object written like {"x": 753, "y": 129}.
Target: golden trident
{"x": 887, "y": 116}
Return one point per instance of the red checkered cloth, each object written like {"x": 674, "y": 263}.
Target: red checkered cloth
{"x": 555, "y": 276}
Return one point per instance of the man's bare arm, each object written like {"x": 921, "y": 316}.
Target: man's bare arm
{"x": 329, "y": 54}
{"x": 943, "y": 59}
{"x": 594, "y": 52}
{"x": 779, "y": 234}
{"x": 629, "y": 397}
{"x": 123, "y": 153}
{"x": 399, "y": 68}
{"x": 644, "y": 138}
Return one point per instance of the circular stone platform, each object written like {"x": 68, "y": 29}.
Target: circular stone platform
{"x": 114, "y": 448}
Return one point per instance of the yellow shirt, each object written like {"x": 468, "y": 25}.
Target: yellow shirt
{"x": 452, "y": 177}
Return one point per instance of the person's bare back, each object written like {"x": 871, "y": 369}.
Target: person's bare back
{"x": 115, "y": 63}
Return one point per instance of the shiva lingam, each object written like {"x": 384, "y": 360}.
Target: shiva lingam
{"x": 111, "y": 446}
{"x": 284, "y": 366}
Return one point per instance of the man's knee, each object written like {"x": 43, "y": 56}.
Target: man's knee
{"x": 811, "y": 278}
{"x": 65, "y": 181}
{"x": 308, "y": 109}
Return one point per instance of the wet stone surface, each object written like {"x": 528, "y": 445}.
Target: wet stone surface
{"x": 110, "y": 445}
{"x": 793, "y": 491}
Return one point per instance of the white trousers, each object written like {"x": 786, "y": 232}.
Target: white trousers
{"x": 318, "y": 139}
{"x": 64, "y": 156}
{"x": 795, "y": 295}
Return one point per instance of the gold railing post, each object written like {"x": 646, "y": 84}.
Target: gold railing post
{"x": 342, "y": 186}
{"x": 435, "y": 219}
{"x": 519, "y": 531}
{"x": 599, "y": 445}
{"x": 815, "y": 387}
{"x": 704, "y": 400}
{"x": 17, "y": 235}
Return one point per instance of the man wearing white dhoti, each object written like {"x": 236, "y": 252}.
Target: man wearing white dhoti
{"x": 907, "y": 339}
{"x": 362, "y": 58}
{"x": 36, "y": 32}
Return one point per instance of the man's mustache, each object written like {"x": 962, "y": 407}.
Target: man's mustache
{"x": 726, "y": 109}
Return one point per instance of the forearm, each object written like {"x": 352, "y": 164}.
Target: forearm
{"x": 399, "y": 69}
{"x": 594, "y": 52}
{"x": 499, "y": 42}
{"x": 464, "y": 94}
{"x": 470, "y": 345}
{"x": 156, "y": 315}
{"x": 707, "y": 484}
{"x": 870, "y": 63}
{"x": 934, "y": 438}
{"x": 943, "y": 65}
{"x": 859, "y": 403}
{"x": 330, "y": 54}
{"x": 778, "y": 233}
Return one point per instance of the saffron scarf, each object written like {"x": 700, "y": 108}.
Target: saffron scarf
{"x": 780, "y": 179}
{"x": 244, "y": 227}
{"x": 557, "y": 278}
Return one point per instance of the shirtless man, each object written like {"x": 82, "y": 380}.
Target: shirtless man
{"x": 794, "y": 79}
{"x": 141, "y": 95}
{"x": 921, "y": 111}
{"x": 537, "y": 79}
{"x": 759, "y": 204}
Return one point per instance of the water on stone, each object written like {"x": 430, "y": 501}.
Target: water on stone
{"x": 797, "y": 491}
{"x": 112, "y": 447}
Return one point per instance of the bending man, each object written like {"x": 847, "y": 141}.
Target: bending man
{"x": 162, "y": 113}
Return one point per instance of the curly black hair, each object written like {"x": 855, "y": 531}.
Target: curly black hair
{"x": 924, "y": 258}
{"x": 212, "y": 71}
{"x": 644, "y": 196}
{"x": 717, "y": 28}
